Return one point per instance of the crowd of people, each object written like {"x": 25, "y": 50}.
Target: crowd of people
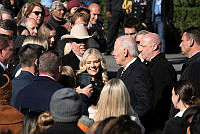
{"x": 54, "y": 79}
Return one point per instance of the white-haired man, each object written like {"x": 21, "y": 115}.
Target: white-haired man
{"x": 134, "y": 74}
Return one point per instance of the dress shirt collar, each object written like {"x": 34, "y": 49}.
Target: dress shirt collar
{"x": 180, "y": 114}
{"x": 195, "y": 53}
{"x": 130, "y": 63}
{"x": 3, "y": 66}
{"x": 48, "y": 76}
{"x": 79, "y": 57}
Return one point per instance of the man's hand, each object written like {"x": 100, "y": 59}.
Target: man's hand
{"x": 86, "y": 90}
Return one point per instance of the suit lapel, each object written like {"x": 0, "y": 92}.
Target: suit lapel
{"x": 74, "y": 60}
{"x": 128, "y": 71}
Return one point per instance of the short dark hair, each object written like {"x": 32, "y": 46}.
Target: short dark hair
{"x": 29, "y": 53}
{"x": 49, "y": 62}
{"x": 4, "y": 41}
{"x": 193, "y": 32}
{"x": 133, "y": 22}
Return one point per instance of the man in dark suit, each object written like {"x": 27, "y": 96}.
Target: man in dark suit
{"x": 162, "y": 14}
{"x": 190, "y": 47}
{"x": 37, "y": 95}
{"x": 28, "y": 56}
{"x": 6, "y": 54}
{"x": 134, "y": 74}
{"x": 78, "y": 43}
{"x": 163, "y": 77}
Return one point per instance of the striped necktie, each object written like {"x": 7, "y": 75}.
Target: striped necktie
{"x": 122, "y": 72}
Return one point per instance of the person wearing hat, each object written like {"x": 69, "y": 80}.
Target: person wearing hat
{"x": 72, "y": 6}
{"x": 10, "y": 118}
{"x": 77, "y": 38}
{"x": 66, "y": 109}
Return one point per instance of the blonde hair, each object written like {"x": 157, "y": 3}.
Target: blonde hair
{"x": 36, "y": 40}
{"x": 45, "y": 120}
{"x": 114, "y": 100}
{"x": 70, "y": 80}
{"x": 97, "y": 53}
{"x": 45, "y": 29}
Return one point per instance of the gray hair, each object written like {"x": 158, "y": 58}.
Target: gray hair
{"x": 49, "y": 62}
{"x": 24, "y": 22}
{"x": 4, "y": 11}
{"x": 129, "y": 43}
{"x": 54, "y": 5}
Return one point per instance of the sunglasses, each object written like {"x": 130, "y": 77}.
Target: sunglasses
{"x": 137, "y": 42}
{"x": 38, "y": 13}
{"x": 80, "y": 41}
{"x": 131, "y": 33}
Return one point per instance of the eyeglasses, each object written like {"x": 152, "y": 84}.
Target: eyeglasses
{"x": 38, "y": 13}
{"x": 131, "y": 33}
{"x": 80, "y": 41}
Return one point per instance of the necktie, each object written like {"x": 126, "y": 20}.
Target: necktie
{"x": 8, "y": 73}
{"x": 122, "y": 72}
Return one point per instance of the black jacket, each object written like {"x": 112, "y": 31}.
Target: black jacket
{"x": 71, "y": 60}
{"x": 163, "y": 77}
{"x": 138, "y": 82}
{"x": 191, "y": 72}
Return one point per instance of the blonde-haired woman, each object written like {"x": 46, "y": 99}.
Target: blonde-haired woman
{"x": 94, "y": 64}
{"x": 115, "y": 101}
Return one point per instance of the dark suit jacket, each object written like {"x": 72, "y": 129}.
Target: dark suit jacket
{"x": 2, "y": 71}
{"x": 166, "y": 10}
{"x": 19, "y": 82}
{"x": 71, "y": 60}
{"x": 137, "y": 80}
{"x": 37, "y": 95}
{"x": 163, "y": 77}
{"x": 191, "y": 72}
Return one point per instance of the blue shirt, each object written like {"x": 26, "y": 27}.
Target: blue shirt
{"x": 157, "y": 9}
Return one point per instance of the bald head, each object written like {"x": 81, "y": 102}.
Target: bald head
{"x": 153, "y": 38}
{"x": 92, "y": 6}
{"x": 151, "y": 45}
{"x": 94, "y": 13}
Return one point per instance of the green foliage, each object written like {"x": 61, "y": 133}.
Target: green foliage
{"x": 186, "y": 3}
{"x": 186, "y": 13}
